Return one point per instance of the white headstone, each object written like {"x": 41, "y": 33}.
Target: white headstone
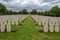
{"x": 46, "y": 28}
{"x": 51, "y": 26}
{"x": 16, "y": 22}
{"x": 2, "y": 27}
{"x": 39, "y": 22}
{"x": 56, "y": 27}
{"x": 8, "y": 27}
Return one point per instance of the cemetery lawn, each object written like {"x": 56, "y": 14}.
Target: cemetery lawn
{"x": 28, "y": 31}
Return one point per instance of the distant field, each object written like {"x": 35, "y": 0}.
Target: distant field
{"x": 29, "y": 31}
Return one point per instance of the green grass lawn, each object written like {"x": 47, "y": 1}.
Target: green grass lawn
{"x": 29, "y": 31}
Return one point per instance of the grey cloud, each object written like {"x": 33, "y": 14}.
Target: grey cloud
{"x": 30, "y": 5}
{"x": 48, "y": 0}
{"x": 7, "y": 0}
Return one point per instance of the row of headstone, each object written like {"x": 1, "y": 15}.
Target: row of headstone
{"x": 36, "y": 18}
{"x": 50, "y": 23}
{"x": 8, "y": 20}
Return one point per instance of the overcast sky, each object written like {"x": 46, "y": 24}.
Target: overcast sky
{"x": 41, "y": 5}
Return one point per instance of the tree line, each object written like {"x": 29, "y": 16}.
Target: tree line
{"x": 54, "y": 11}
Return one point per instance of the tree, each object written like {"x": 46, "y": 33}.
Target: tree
{"x": 2, "y": 8}
{"x": 19, "y": 12}
{"x": 34, "y": 11}
{"x": 54, "y": 10}
{"x": 24, "y": 11}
